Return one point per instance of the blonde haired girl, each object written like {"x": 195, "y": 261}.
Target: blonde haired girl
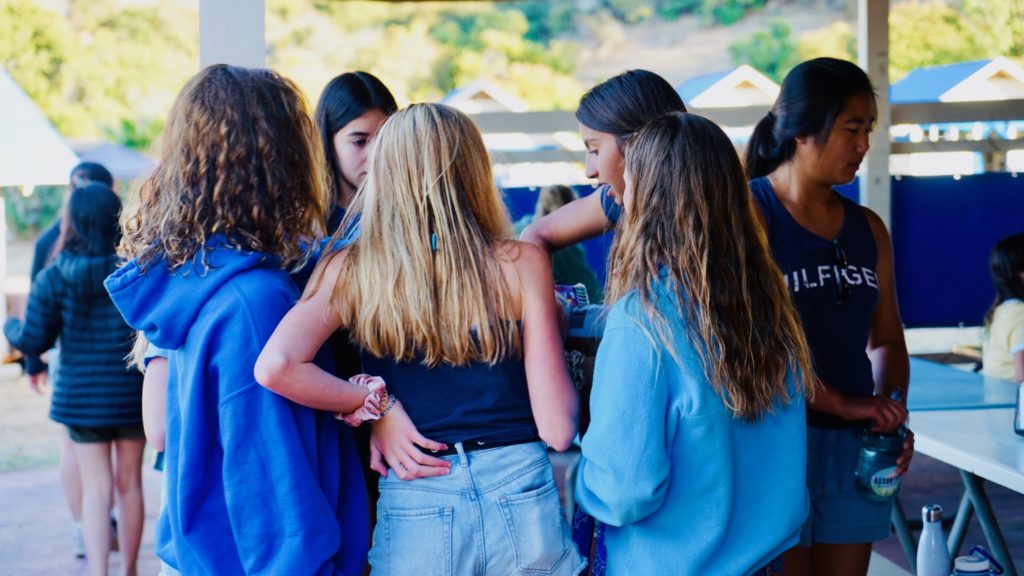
{"x": 460, "y": 323}
{"x": 704, "y": 355}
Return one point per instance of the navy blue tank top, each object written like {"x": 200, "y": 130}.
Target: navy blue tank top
{"x": 459, "y": 403}
{"x": 836, "y": 320}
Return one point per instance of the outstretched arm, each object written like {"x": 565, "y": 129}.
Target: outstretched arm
{"x": 575, "y": 222}
{"x": 887, "y": 347}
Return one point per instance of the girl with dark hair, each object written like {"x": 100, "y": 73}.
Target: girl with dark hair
{"x": 837, "y": 260}
{"x": 95, "y": 395}
{"x": 704, "y": 352}
{"x": 351, "y": 110}
{"x": 609, "y": 114}
{"x": 83, "y": 174}
{"x": 1003, "y": 346}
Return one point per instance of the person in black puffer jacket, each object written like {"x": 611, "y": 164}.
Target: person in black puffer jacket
{"x": 96, "y": 394}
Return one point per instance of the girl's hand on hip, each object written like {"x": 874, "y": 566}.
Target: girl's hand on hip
{"x": 394, "y": 440}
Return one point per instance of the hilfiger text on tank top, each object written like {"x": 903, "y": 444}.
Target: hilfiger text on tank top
{"x": 825, "y": 275}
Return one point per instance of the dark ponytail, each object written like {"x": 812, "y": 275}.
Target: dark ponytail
{"x": 812, "y": 96}
{"x": 763, "y": 156}
{"x": 621, "y": 105}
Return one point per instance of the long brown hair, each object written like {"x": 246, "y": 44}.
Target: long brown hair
{"x": 424, "y": 277}
{"x": 240, "y": 159}
{"x": 692, "y": 219}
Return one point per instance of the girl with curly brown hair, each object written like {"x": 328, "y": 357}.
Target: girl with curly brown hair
{"x": 255, "y": 482}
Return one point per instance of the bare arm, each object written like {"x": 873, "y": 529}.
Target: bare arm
{"x": 1018, "y": 365}
{"x": 286, "y": 363}
{"x": 154, "y": 402}
{"x": 553, "y": 398}
{"x": 575, "y": 222}
{"x": 887, "y": 348}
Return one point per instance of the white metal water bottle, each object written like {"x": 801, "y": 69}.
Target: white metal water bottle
{"x": 932, "y": 554}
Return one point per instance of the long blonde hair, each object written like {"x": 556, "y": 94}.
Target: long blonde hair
{"x": 424, "y": 278}
{"x": 692, "y": 219}
{"x": 240, "y": 158}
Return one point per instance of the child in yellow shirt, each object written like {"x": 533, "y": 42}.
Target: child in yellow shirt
{"x": 1003, "y": 345}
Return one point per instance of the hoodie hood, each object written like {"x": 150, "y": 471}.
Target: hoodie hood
{"x": 164, "y": 303}
{"x": 84, "y": 274}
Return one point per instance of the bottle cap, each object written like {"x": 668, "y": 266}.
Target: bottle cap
{"x": 931, "y": 513}
{"x": 972, "y": 563}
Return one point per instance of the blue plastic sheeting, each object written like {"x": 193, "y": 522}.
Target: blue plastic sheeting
{"x": 942, "y": 231}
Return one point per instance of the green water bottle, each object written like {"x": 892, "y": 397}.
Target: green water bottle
{"x": 876, "y": 476}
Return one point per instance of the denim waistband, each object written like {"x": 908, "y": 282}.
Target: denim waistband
{"x": 492, "y": 468}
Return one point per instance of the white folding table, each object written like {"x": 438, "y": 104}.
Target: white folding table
{"x": 942, "y": 400}
{"x": 936, "y": 386}
{"x": 982, "y": 446}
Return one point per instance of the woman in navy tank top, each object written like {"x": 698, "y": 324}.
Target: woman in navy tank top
{"x": 460, "y": 323}
{"x": 837, "y": 260}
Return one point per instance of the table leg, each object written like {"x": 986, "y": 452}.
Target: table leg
{"x": 989, "y": 525}
{"x": 904, "y": 534}
{"x": 963, "y": 519}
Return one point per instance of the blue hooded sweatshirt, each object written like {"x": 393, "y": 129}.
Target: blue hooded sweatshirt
{"x": 256, "y": 484}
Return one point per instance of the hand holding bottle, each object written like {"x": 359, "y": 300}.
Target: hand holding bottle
{"x": 885, "y": 414}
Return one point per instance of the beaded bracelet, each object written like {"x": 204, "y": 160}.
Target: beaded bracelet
{"x": 387, "y": 403}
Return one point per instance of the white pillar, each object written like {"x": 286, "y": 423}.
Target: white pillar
{"x": 232, "y": 32}
{"x": 873, "y": 56}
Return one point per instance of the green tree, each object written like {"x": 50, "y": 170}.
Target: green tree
{"x": 37, "y": 49}
{"x": 771, "y": 51}
{"x": 548, "y": 19}
{"x": 837, "y": 40}
{"x": 101, "y": 63}
{"x": 929, "y": 34}
{"x": 726, "y": 12}
{"x": 672, "y": 9}
{"x": 999, "y": 25}
{"x": 629, "y": 11}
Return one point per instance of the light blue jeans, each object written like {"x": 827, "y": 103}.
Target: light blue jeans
{"x": 496, "y": 513}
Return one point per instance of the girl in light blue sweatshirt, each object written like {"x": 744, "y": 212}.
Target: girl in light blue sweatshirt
{"x": 696, "y": 452}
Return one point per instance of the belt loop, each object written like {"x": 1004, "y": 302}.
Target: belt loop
{"x": 463, "y": 461}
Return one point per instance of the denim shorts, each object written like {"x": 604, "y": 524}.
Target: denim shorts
{"x": 839, "y": 514}
{"x": 496, "y": 513}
